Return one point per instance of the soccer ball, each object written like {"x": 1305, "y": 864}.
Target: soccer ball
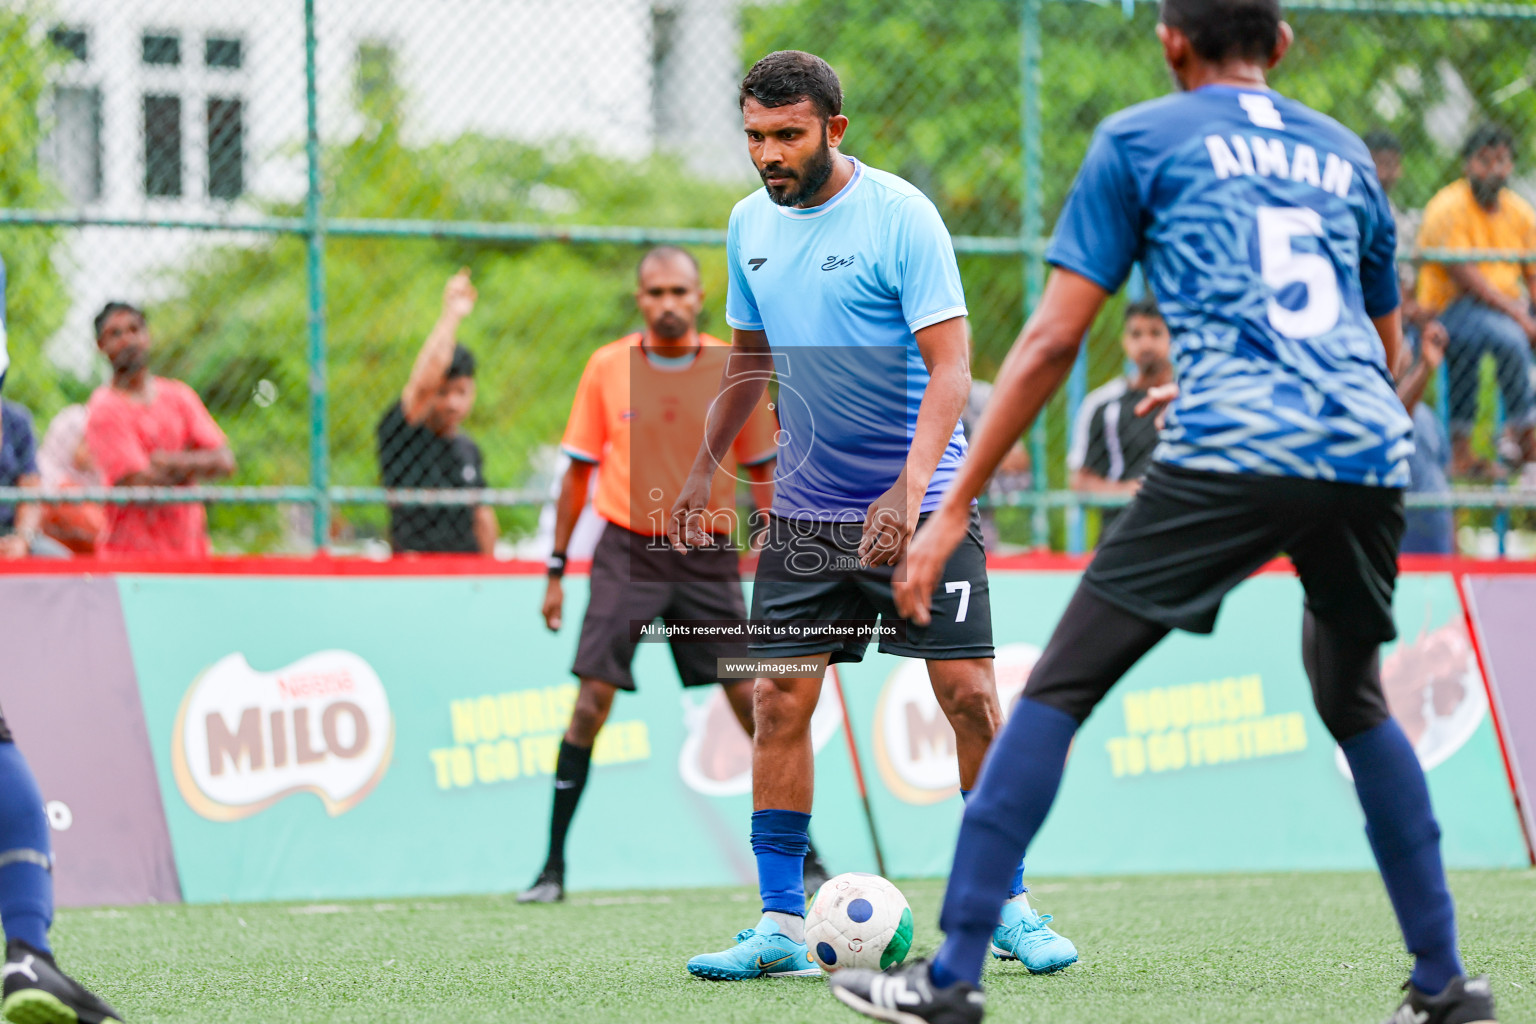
{"x": 858, "y": 920}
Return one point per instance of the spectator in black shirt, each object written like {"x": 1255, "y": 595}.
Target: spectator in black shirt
{"x": 420, "y": 444}
{"x": 1112, "y": 446}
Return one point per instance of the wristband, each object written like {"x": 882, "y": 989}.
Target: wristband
{"x": 556, "y": 565}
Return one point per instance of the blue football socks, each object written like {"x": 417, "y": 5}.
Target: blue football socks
{"x": 1405, "y": 838}
{"x": 1017, "y": 786}
{"x": 1017, "y": 886}
{"x": 26, "y": 887}
{"x": 779, "y": 840}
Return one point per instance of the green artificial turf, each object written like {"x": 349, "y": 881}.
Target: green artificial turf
{"x": 1181, "y": 949}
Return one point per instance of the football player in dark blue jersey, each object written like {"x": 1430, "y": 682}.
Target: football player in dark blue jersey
{"x": 32, "y": 988}
{"x": 1268, "y": 243}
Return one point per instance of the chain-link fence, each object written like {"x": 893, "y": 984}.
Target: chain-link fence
{"x": 286, "y": 188}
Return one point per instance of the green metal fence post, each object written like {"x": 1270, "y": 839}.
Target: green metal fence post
{"x": 314, "y": 234}
{"x": 1031, "y": 228}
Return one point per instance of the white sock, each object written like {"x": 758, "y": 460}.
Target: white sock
{"x": 791, "y": 925}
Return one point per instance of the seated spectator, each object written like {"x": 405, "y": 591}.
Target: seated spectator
{"x": 19, "y": 533}
{"x": 1429, "y": 531}
{"x": 64, "y": 461}
{"x": 149, "y": 431}
{"x": 1481, "y": 304}
{"x": 1112, "y": 446}
{"x": 421, "y": 446}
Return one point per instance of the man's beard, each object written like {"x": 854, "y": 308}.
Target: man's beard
{"x": 670, "y": 326}
{"x": 1486, "y": 190}
{"x": 130, "y": 361}
{"x": 812, "y": 177}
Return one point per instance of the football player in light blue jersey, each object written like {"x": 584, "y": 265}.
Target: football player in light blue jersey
{"x": 844, "y": 286}
{"x": 1269, "y": 245}
{"x": 32, "y": 988}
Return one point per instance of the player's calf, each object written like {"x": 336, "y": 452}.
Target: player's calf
{"x": 967, "y": 693}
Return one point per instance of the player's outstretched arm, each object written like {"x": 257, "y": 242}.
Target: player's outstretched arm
{"x": 1039, "y": 361}
{"x": 741, "y": 388}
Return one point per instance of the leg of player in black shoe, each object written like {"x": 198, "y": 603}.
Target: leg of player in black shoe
{"x": 1093, "y": 646}
{"x": 593, "y": 703}
{"x": 1348, "y": 566}
{"x": 33, "y": 989}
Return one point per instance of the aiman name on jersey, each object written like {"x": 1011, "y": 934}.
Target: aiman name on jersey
{"x": 1257, "y": 156}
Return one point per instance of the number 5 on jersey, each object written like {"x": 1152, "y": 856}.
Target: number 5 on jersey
{"x": 1282, "y": 266}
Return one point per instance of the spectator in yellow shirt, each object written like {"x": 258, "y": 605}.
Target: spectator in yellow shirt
{"x": 1481, "y": 304}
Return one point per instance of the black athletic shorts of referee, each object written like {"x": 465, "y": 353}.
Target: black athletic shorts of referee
{"x": 638, "y": 418}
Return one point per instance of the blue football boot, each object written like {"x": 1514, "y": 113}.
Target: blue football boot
{"x": 760, "y": 952}
{"x": 1025, "y": 936}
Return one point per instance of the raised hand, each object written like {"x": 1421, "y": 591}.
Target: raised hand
{"x": 459, "y": 295}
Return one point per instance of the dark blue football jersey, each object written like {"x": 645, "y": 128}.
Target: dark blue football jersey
{"x": 1269, "y": 245}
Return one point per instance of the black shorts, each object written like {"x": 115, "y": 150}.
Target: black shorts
{"x": 636, "y": 580}
{"x": 809, "y": 573}
{"x": 1189, "y": 537}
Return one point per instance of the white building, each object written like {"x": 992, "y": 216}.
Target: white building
{"x": 195, "y": 109}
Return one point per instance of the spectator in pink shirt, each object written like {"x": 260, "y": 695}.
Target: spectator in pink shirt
{"x": 148, "y": 431}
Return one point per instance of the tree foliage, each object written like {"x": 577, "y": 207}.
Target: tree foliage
{"x": 237, "y": 329}
{"x": 933, "y": 93}
{"x": 35, "y": 295}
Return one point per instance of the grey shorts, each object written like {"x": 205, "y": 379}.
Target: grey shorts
{"x": 636, "y": 581}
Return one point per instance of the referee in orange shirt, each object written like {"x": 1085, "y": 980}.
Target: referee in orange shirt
{"x": 639, "y": 414}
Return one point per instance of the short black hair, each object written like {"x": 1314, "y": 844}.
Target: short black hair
{"x": 1485, "y": 135}
{"x": 1145, "y": 306}
{"x": 789, "y": 76}
{"x": 664, "y": 252}
{"x": 1226, "y": 29}
{"x": 116, "y": 307}
{"x": 1382, "y": 141}
{"x": 462, "y": 364}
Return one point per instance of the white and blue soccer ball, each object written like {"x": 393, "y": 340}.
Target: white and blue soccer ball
{"x": 858, "y": 920}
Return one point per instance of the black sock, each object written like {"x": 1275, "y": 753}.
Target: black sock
{"x": 570, "y": 780}
{"x": 811, "y": 856}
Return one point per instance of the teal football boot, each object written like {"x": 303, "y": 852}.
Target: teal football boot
{"x": 760, "y": 952}
{"x": 1025, "y": 936}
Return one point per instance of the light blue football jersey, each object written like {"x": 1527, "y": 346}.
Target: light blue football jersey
{"x": 1269, "y": 245}
{"x": 839, "y": 289}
